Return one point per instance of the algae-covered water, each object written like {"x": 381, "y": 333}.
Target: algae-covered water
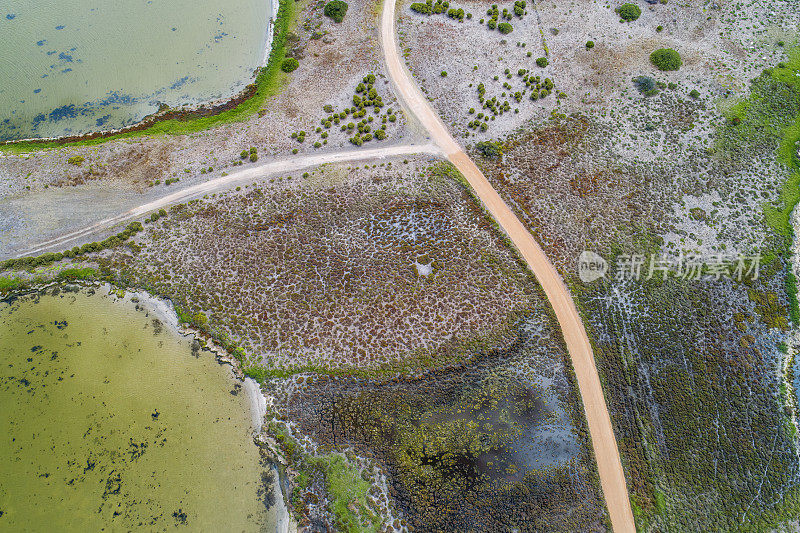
{"x": 110, "y": 419}
{"x": 75, "y": 66}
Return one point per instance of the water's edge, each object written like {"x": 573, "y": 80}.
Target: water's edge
{"x": 205, "y": 108}
{"x": 164, "y": 310}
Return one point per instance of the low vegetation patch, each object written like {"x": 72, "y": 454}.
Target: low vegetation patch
{"x": 666, "y": 59}
{"x": 629, "y": 12}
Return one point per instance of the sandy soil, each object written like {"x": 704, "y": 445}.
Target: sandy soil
{"x": 90, "y": 211}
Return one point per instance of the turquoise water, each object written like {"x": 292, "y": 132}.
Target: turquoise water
{"x": 77, "y": 66}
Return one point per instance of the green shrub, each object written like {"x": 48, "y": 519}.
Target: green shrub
{"x": 457, "y": 14}
{"x": 76, "y": 160}
{"x": 589, "y": 44}
{"x": 695, "y": 94}
{"x": 505, "y": 28}
{"x": 421, "y": 7}
{"x": 666, "y": 59}
{"x": 489, "y": 149}
{"x": 629, "y": 12}
{"x": 645, "y": 85}
{"x": 336, "y": 10}
{"x": 290, "y": 64}
{"x": 492, "y": 24}
{"x": 542, "y": 62}
{"x": 444, "y": 73}
{"x": 253, "y": 158}
{"x": 72, "y": 274}
{"x": 659, "y": 28}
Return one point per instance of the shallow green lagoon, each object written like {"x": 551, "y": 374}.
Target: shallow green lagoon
{"x": 109, "y": 419}
{"x": 75, "y": 66}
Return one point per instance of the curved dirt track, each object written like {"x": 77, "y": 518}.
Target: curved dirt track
{"x": 612, "y": 477}
{"x": 223, "y": 182}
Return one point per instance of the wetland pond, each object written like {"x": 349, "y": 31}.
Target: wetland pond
{"x": 111, "y": 419}
{"x": 76, "y": 66}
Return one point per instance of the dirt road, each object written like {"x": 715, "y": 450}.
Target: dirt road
{"x": 612, "y": 477}
{"x": 244, "y": 175}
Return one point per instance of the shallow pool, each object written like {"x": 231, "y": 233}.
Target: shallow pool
{"x": 76, "y": 66}
{"x": 110, "y": 419}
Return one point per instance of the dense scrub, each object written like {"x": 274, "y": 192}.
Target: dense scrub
{"x": 365, "y": 268}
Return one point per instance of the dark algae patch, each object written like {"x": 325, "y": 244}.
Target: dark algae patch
{"x": 497, "y": 445}
{"x": 108, "y": 421}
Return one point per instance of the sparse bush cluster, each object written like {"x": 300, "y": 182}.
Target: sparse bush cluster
{"x": 457, "y": 14}
{"x": 368, "y": 127}
{"x": 533, "y": 85}
{"x": 430, "y": 8}
{"x": 494, "y": 15}
{"x": 156, "y": 215}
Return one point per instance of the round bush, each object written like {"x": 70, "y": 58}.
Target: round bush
{"x": 629, "y": 12}
{"x": 336, "y": 10}
{"x": 666, "y": 59}
{"x": 505, "y": 28}
{"x": 542, "y": 62}
{"x": 589, "y": 44}
{"x": 290, "y": 64}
